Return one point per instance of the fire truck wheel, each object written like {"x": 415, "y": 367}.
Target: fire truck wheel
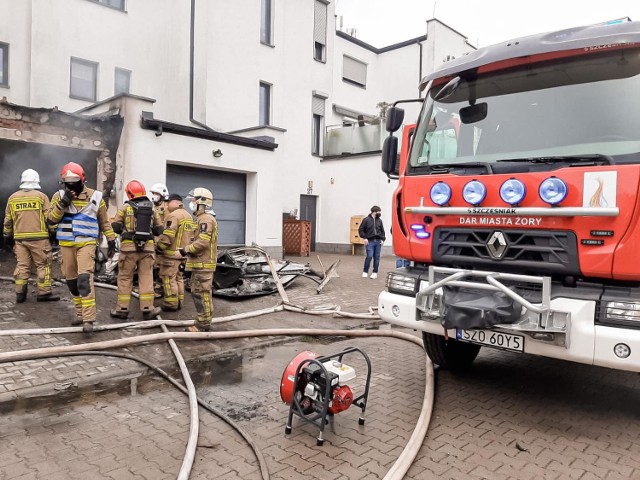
{"x": 449, "y": 354}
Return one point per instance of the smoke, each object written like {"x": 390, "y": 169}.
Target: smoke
{"x": 47, "y": 160}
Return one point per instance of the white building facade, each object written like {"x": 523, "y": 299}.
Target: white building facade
{"x": 233, "y": 95}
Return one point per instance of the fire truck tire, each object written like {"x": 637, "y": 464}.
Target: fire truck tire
{"x": 449, "y": 354}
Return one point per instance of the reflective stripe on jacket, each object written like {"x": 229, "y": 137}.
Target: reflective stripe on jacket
{"x": 202, "y": 253}
{"x": 25, "y": 215}
{"x": 179, "y": 228}
{"x": 77, "y": 223}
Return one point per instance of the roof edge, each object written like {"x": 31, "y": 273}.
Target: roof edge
{"x": 150, "y": 123}
{"x": 376, "y": 50}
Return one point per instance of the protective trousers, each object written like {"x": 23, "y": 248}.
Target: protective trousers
{"x": 180, "y": 279}
{"x": 127, "y": 265}
{"x": 78, "y": 264}
{"x": 171, "y": 278}
{"x": 201, "y": 285}
{"x": 38, "y": 252}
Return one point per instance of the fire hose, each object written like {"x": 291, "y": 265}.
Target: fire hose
{"x": 402, "y": 464}
{"x": 397, "y": 471}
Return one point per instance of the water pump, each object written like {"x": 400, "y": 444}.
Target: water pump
{"x": 316, "y": 387}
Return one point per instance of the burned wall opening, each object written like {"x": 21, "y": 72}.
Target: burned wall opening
{"x": 46, "y": 139}
{"x": 47, "y": 160}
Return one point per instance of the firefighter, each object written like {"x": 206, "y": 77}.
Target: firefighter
{"x": 80, "y": 214}
{"x": 136, "y": 222}
{"x": 201, "y": 257}
{"x": 160, "y": 195}
{"x": 178, "y": 233}
{"x": 25, "y": 225}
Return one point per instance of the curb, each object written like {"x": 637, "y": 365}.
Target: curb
{"x": 106, "y": 382}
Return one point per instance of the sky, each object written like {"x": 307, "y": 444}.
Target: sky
{"x": 483, "y": 22}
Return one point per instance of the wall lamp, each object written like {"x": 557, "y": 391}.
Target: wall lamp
{"x": 217, "y": 153}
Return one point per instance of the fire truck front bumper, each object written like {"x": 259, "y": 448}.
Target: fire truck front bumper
{"x": 562, "y": 328}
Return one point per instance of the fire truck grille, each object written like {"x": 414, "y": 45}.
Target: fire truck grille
{"x": 519, "y": 251}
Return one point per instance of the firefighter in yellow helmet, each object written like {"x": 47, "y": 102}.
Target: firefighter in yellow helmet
{"x": 136, "y": 222}
{"x": 80, "y": 214}
{"x": 178, "y": 233}
{"x": 25, "y": 225}
{"x": 201, "y": 257}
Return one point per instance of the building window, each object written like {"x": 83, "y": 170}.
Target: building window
{"x": 317, "y": 125}
{"x": 266, "y": 22}
{"x": 265, "y": 104}
{"x": 4, "y": 65}
{"x": 84, "y": 79}
{"x": 117, "y": 4}
{"x": 354, "y": 71}
{"x": 122, "y": 81}
{"x": 320, "y": 31}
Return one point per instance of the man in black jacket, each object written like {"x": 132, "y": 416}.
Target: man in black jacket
{"x": 372, "y": 232}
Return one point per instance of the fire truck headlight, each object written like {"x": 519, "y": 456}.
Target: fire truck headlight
{"x": 440, "y": 193}
{"x": 553, "y": 190}
{"x": 513, "y": 191}
{"x": 629, "y": 311}
{"x": 399, "y": 282}
{"x": 474, "y": 192}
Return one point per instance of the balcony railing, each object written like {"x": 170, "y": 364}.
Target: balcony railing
{"x": 353, "y": 139}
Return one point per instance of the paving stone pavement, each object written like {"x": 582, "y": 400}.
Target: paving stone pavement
{"x": 51, "y": 376}
{"x": 510, "y": 416}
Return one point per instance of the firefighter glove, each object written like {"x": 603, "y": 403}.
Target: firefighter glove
{"x": 111, "y": 248}
{"x": 65, "y": 201}
{"x": 9, "y": 242}
{"x": 183, "y": 252}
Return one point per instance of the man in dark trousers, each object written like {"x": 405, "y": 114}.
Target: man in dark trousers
{"x": 372, "y": 232}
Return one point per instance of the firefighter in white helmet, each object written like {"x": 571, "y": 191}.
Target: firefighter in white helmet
{"x": 25, "y": 225}
{"x": 159, "y": 196}
{"x": 201, "y": 256}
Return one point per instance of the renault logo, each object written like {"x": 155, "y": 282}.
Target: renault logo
{"x": 497, "y": 245}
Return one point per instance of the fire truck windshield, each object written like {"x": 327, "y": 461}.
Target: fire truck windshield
{"x": 581, "y": 105}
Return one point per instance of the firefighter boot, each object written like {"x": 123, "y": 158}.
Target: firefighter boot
{"x": 151, "y": 313}
{"x": 87, "y": 328}
{"x": 21, "y": 296}
{"x": 48, "y": 297}
{"x": 119, "y": 313}
{"x": 198, "y": 327}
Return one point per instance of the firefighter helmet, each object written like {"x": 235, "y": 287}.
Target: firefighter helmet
{"x": 135, "y": 189}
{"x": 72, "y": 172}
{"x": 30, "y": 180}
{"x": 161, "y": 189}
{"x": 202, "y": 196}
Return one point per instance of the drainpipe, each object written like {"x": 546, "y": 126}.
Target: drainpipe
{"x": 192, "y": 41}
{"x": 420, "y": 69}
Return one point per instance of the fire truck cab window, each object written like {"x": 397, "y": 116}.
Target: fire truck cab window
{"x": 575, "y": 106}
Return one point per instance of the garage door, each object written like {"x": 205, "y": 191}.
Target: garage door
{"x": 229, "y": 197}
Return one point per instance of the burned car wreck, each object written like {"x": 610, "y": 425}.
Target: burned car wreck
{"x": 240, "y": 273}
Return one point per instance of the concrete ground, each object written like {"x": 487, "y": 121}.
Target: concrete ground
{"x": 510, "y": 416}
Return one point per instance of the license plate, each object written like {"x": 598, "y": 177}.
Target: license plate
{"x": 504, "y": 341}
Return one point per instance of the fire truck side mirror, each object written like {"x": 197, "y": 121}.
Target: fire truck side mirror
{"x": 395, "y": 117}
{"x": 390, "y": 156}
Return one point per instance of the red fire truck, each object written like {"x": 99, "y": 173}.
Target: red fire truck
{"x": 518, "y": 203}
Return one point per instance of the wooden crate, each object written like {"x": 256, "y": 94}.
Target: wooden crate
{"x": 296, "y": 237}
{"x": 355, "y": 239}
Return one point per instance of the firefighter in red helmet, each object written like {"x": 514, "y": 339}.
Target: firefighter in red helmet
{"x": 80, "y": 214}
{"x": 137, "y": 223}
